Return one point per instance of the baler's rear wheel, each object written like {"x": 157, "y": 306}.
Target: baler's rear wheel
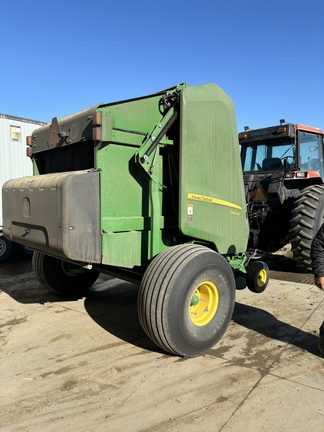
{"x": 186, "y": 299}
{"x": 24, "y": 250}
{"x": 6, "y": 249}
{"x": 307, "y": 217}
{"x": 258, "y": 276}
{"x": 62, "y": 277}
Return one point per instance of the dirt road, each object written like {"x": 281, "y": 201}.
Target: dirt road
{"x": 86, "y": 365}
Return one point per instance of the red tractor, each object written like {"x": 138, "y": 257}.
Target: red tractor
{"x": 283, "y": 178}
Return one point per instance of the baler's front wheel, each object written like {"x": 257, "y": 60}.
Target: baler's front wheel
{"x": 186, "y": 299}
{"x": 258, "y": 276}
{"x": 62, "y": 277}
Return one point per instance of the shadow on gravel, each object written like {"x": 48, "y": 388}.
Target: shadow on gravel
{"x": 283, "y": 268}
{"x": 267, "y": 324}
{"x": 114, "y": 308}
{"x": 112, "y": 304}
{"x": 17, "y": 279}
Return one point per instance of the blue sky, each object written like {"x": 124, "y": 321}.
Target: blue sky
{"x": 60, "y": 57}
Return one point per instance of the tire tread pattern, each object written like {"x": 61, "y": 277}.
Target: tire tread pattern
{"x": 306, "y": 219}
{"x": 155, "y": 287}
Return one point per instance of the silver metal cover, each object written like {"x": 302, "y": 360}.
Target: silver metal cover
{"x": 58, "y": 214}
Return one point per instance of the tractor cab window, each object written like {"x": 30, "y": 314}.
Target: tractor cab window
{"x": 269, "y": 156}
{"x": 311, "y": 151}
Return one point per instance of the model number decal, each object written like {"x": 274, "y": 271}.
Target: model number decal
{"x": 234, "y": 213}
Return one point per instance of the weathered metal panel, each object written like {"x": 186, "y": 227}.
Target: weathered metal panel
{"x": 66, "y": 131}
{"x": 13, "y": 160}
{"x": 55, "y": 213}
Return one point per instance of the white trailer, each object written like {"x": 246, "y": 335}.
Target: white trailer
{"x": 13, "y": 161}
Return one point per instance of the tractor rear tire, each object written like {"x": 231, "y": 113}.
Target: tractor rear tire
{"x": 307, "y": 217}
{"x": 61, "y": 277}
{"x": 186, "y": 299}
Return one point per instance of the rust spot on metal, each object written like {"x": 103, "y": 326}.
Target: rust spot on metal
{"x": 54, "y": 134}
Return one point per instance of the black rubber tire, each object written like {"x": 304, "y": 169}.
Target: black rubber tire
{"x": 24, "y": 250}
{"x": 307, "y": 217}
{"x": 258, "y": 276}
{"x": 61, "y": 277}
{"x": 166, "y": 293}
{"x": 6, "y": 249}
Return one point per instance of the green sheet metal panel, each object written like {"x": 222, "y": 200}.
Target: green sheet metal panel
{"x": 126, "y": 196}
{"x": 136, "y": 115}
{"x": 212, "y": 202}
{"x": 122, "y": 249}
{"x": 122, "y": 184}
{"x": 126, "y": 208}
{"x": 124, "y": 205}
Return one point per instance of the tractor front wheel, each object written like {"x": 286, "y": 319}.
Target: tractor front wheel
{"x": 186, "y": 299}
{"x": 62, "y": 277}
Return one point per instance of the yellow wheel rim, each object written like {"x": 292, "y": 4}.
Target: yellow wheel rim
{"x": 204, "y": 303}
{"x": 262, "y": 277}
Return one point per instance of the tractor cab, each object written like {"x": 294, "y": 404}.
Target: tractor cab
{"x": 294, "y": 148}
